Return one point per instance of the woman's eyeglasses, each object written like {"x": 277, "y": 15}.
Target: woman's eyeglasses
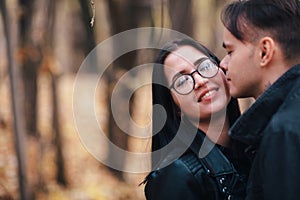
{"x": 185, "y": 83}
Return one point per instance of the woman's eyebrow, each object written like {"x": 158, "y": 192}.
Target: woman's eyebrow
{"x": 199, "y": 60}
{"x": 178, "y": 74}
{"x": 175, "y": 76}
{"x": 181, "y": 72}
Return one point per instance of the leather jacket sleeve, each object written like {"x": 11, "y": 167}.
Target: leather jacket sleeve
{"x": 173, "y": 182}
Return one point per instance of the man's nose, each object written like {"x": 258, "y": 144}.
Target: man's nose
{"x": 224, "y": 63}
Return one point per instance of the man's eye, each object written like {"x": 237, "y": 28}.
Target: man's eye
{"x": 229, "y": 52}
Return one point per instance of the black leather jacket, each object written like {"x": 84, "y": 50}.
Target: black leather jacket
{"x": 189, "y": 178}
{"x": 271, "y": 128}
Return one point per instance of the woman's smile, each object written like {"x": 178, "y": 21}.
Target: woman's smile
{"x": 207, "y": 95}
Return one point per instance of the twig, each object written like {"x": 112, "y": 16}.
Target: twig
{"x": 94, "y": 13}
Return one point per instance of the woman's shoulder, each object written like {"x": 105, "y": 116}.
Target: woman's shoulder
{"x": 177, "y": 180}
{"x": 185, "y": 166}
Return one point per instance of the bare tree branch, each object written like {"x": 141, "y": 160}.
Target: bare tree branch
{"x": 94, "y": 13}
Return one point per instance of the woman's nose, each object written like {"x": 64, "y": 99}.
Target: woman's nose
{"x": 199, "y": 81}
{"x": 224, "y": 63}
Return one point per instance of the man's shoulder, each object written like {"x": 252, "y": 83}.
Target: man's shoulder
{"x": 287, "y": 117}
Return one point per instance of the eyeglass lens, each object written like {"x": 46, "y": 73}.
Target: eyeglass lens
{"x": 185, "y": 83}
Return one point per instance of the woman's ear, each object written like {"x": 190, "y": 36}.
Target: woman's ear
{"x": 266, "y": 50}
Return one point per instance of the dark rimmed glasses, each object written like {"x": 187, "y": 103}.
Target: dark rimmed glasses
{"x": 185, "y": 83}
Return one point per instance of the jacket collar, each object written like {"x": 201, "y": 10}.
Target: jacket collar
{"x": 211, "y": 157}
{"x": 249, "y": 127}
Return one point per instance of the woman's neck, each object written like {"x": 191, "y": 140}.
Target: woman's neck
{"x": 216, "y": 128}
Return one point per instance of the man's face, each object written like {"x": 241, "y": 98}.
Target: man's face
{"x": 242, "y": 67}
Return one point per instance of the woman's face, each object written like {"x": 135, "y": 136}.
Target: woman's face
{"x": 209, "y": 96}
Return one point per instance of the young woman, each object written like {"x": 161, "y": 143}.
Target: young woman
{"x": 192, "y": 154}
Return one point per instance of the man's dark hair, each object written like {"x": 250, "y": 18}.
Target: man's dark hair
{"x": 279, "y": 19}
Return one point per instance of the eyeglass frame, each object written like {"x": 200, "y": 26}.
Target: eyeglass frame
{"x": 197, "y": 63}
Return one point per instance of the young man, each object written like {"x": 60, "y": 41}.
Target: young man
{"x": 262, "y": 38}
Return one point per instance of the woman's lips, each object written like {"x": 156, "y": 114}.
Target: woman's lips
{"x": 206, "y": 95}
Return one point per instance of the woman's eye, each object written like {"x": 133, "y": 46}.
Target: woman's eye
{"x": 205, "y": 67}
{"x": 181, "y": 81}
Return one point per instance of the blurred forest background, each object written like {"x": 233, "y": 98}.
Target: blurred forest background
{"x": 42, "y": 45}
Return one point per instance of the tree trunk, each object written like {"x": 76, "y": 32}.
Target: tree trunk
{"x": 181, "y": 16}
{"x": 49, "y": 67}
{"x": 31, "y": 57}
{"x": 17, "y": 108}
{"x": 124, "y": 15}
{"x": 60, "y": 164}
